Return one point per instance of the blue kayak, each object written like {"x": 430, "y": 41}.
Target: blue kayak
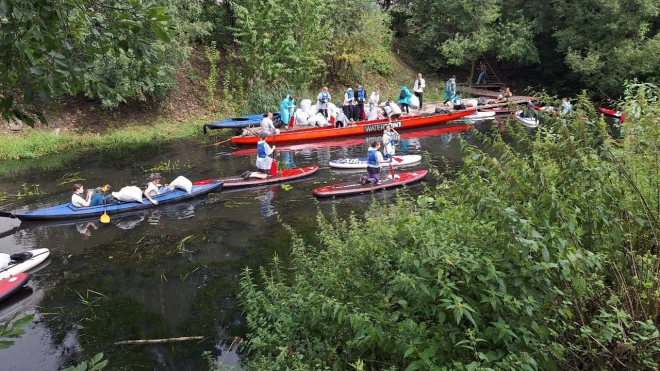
{"x": 68, "y": 211}
{"x": 242, "y": 122}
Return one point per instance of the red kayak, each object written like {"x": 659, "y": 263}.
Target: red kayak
{"x": 284, "y": 175}
{"x": 357, "y": 141}
{"x": 355, "y": 187}
{"x": 612, "y": 113}
{"x": 360, "y": 128}
{"x": 10, "y": 285}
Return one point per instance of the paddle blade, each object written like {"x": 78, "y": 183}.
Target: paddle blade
{"x": 397, "y": 159}
{"x": 105, "y": 218}
{"x": 392, "y": 170}
{"x": 105, "y": 188}
{"x": 273, "y": 168}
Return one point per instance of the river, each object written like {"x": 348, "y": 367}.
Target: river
{"x": 172, "y": 271}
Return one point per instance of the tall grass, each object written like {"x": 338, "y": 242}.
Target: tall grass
{"x": 32, "y": 144}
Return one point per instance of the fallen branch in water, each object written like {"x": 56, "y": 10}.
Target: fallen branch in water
{"x": 158, "y": 341}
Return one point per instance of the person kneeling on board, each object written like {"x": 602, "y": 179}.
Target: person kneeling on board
{"x": 374, "y": 158}
{"x": 264, "y": 160}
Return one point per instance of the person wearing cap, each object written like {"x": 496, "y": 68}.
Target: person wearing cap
{"x": 264, "y": 159}
{"x": 360, "y": 97}
{"x": 267, "y": 125}
{"x": 349, "y": 104}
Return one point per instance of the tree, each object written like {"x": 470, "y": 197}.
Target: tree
{"x": 53, "y": 48}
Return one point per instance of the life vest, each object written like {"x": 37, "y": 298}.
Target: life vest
{"x": 391, "y": 136}
{"x": 372, "y": 160}
{"x": 360, "y": 95}
{"x": 325, "y": 97}
{"x": 261, "y": 149}
{"x": 349, "y": 94}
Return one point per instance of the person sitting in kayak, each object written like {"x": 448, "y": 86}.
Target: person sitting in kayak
{"x": 154, "y": 188}
{"x": 374, "y": 158}
{"x": 389, "y": 140}
{"x": 91, "y": 198}
{"x": 264, "y": 159}
{"x": 267, "y": 125}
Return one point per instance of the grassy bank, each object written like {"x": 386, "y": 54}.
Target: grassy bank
{"x": 32, "y": 144}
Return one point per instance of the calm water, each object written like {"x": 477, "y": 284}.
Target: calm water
{"x": 172, "y": 271}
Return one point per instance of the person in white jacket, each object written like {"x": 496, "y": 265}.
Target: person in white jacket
{"x": 418, "y": 88}
{"x": 373, "y": 105}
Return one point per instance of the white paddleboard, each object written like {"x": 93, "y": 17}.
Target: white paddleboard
{"x": 38, "y": 256}
{"x": 361, "y": 162}
{"x": 528, "y": 122}
{"x": 479, "y": 115}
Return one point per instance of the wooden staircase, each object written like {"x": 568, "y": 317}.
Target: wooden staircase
{"x": 492, "y": 81}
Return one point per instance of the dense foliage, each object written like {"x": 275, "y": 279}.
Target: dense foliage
{"x": 600, "y": 43}
{"x": 542, "y": 255}
{"x": 50, "y": 49}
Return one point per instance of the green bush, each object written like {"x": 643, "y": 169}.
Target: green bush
{"x": 537, "y": 256}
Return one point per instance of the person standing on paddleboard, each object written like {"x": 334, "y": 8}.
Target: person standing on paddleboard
{"x": 374, "y": 158}
{"x": 389, "y": 141}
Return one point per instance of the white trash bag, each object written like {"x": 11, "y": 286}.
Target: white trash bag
{"x": 183, "y": 183}
{"x": 129, "y": 194}
{"x": 305, "y": 105}
{"x": 414, "y": 102}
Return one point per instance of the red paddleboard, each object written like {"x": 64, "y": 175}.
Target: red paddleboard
{"x": 10, "y": 285}
{"x": 283, "y": 175}
{"x": 355, "y": 187}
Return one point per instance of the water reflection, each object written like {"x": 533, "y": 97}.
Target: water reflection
{"x": 172, "y": 270}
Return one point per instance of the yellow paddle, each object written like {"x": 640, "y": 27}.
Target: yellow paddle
{"x": 105, "y": 218}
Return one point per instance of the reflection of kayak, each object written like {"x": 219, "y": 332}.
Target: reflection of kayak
{"x": 478, "y": 116}
{"x": 361, "y": 162}
{"x": 497, "y": 110}
{"x": 15, "y": 267}
{"x": 241, "y": 122}
{"x": 357, "y": 141}
{"x": 10, "y": 285}
{"x": 281, "y": 176}
{"x": 68, "y": 211}
{"x": 360, "y": 128}
{"x": 528, "y": 122}
{"x": 612, "y": 113}
{"x": 352, "y": 188}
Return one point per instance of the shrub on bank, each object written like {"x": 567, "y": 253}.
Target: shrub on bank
{"x": 538, "y": 256}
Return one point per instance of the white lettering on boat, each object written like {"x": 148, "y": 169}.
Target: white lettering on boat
{"x": 381, "y": 127}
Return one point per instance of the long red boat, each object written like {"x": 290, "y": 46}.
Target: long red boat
{"x": 361, "y": 128}
{"x": 444, "y": 129}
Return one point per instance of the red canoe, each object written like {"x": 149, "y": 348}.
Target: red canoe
{"x": 284, "y": 175}
{"x": 355, "y": 187}
{"x": 357, "y": 141}
{"x": 361, "y": 128}
{"x": 10, "y": 285}
{"x": 612, "y": 113}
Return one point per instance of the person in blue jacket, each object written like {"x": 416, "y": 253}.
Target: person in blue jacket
{"x": 374, "y": 158}
{"x": 286, "y": 109}
{"x": 360, "y": 98}
{"x": 404, "y": 99}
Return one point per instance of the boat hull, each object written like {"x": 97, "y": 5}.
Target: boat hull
{"x": 284, "y": 175}
{"x": 361, "y": 128}
{"x": 241, "y": 122}
{"x": 68, "y": 211}
{"x": 353, "y": 188}
{"x": 612, "y": 113}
